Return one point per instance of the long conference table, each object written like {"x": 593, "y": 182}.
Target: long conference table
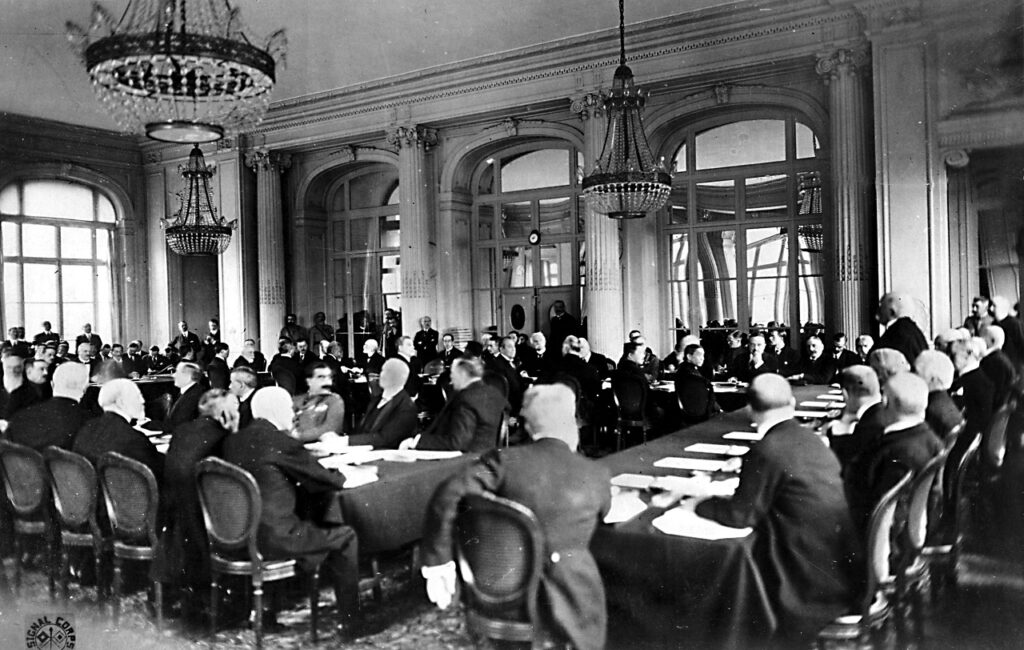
{"x": 667, "y": 591}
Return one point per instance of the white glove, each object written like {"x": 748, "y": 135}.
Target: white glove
{"x": 440, "y": 583}
{"x": 410, "y": 443}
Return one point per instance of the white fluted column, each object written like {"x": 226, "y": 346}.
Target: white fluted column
{"x": 415, "y": 178}
{"x": 269, "y": 166}
{"x": 602, "y": 296}
{"x": 849, "y": 214}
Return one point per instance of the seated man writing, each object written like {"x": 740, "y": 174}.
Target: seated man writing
{"x": 568, "y": 493}
{"x": 791, "y": 493}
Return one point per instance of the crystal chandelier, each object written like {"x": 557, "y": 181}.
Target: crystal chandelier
{"x": 196, "y": 229}
{"x": 178, "y": 70}
{"x": 626, "y": 182}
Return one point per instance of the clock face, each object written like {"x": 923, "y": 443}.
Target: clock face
{"x": 534, "y": 237}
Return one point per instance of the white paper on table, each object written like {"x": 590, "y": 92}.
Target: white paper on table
{"x": 335, "y": 445}
{"x": 699, "y": 485}
{"x": 726, "y": 388}
{"x": 815, "y": 405}
{"x": 635, "y": 481}
{"x": 412, "y": 455}
{"x": 718, "y": 450}
{"x": 675, "y": 462}
{"x": 664, "y": 386}
{"x": 356, "y": 476}
{"x": 836, "y": 390}
{"x": 683, "y": 521}
{"x": 353, "y": 458}
{"x": 830, "y": 396}
{"x": 753, "y": 436}
{"x": 162, "y": 447}
{"x": 626, "y": 504}
{"x": 816, "y": 415}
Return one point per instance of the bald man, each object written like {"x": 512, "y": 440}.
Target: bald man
{"x": 996, "y": 364}
{"x": 56, "y": 420}
{"x": 864, "y": 416}
{"x": 791, "y": 492}
{"x": 1012, "y": 328}
{"x": 286, "y": 473}
{"x": 122, "y": 404}
{"x": 907, "y": 444}
{"x": 936, "y": 369}
{"x": 391, "y": 416}
{"x": 568, "y": 493}
{"x": 901, "y": 332}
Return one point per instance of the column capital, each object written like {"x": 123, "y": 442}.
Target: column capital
{"x": 956, "y": 158}
{"x": 412, "y": 136}
{"x": 841, "y": 61}
{"x": 266, "y": 160}
{"x": 587, "y": 105}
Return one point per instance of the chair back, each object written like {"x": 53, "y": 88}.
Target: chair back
{"x": 497, "y": 381}
{"x": 921, "y": 506}
{"x": 500, "y": 551}
{"x": 230, "y": 500}
{"x": 131, "y": 497}
{"x": 25, "y": 481}
{"x": 630, "y": 396}
{"x": 994, "y": 437}
{"x": 73, "y": 481}
{"x": 879, "y": 545}
{"x": 959, "y": 498}
{"x": 434, "y": 367}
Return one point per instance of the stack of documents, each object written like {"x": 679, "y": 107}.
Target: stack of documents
{"x": 718, "y": 450}
{"x": 626, "y": 504}
{"x": 752, "y": 436}
{"x": 699, "y": 464}
{"x": 685, "y": 522}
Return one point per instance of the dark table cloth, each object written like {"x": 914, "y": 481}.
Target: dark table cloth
{"x": 667, "y": 591}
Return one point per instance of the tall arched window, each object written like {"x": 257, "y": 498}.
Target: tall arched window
{"x": 365, "y": 228}
{"x": 743, "y": 235}
{"x": 528, "y": 236}
{"x": 56, "y": 242}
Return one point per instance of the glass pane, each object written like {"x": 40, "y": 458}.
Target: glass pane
{"x": 486, "y": 184}
{"x": 806, "y": 142}
{"x": 394, "y": 198}
{"x": 338, "y": 228}
{"x": 39, "y": 241}
{"x": 390, "y": 231}
{"x": 741, "y": 143}
{"x": 359, "y": 276}
{"x": 766, "y": 196}
{"x": 10, "y": 236}
{"x": 581, "y": 211}
{"x": 579, "y": 167}
{"x": 77, "y": 283}
{"x": 390, "y": 274}
{"x": 716, "y": 201}
{"x": 360, "y": 234}
{"x": 812, "y": 299}
{"x": 716, "y": 254}
{"x": 371, "y": 190}
{"x": 544, "y": 168}
{"x": 769, "y": 300}
{"x": 77, "y": 314}
{"x": 105, "y": 209}
{"x": 485, "y": 221}
{"x": 393, "y": 301}
{"x": 555, "y": 216}
{"x": 104, "y": 302}
{"x": 103, "y": 245}
{"x": 12, "y": 293}
{"x": 680, "y": 159}
{"x": 808, "y": 193}
{"x": 716, "y": 302}
{"x": 76, "y": 242}
{"x": 767, "y": 252}
{"x": 583, "y": 264}
{"x": 516, "y": 220}
{"x": 58, "y": 199}
{"x": 517, "y": 267}
{"x": 338, "y": 200}
{"x": 9, "y": 199}
{"x": 556, "y": 264}
{"x": 680, "y": 296}
{"x": 679, "y": 213}
{"x": 37, "y": 312}
{"x": 679, "y": 254}
{"x": 340, "y": 277}
{"x": 483, "y": 268}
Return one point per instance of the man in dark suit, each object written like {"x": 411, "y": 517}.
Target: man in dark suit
{"x": 183, "y": 560}
{"x": 787, "y": 360}
{"x": 47, "y": 335}
{"x": 56, "y": 420}
{"x": 942, "y": 413}
{"x": 391, "y": 415}
{"x": 186, "y": 340}
{"x": 471, "y": 419}
{"x": 506, "y": 365}
{"x": 425, "y": 341}
{"x": 569, "y": 496}
{"x": 996, "y": 364}
{"x": 243, "y": 385}
{"x": 563, "y": 324}
{"x": 287, "y": 474}
{"x": 790, "y": 491}
{"x": 901, "y": 332}
{"x": 449, "y": 353}
{"x": 405, "y": 351}
{"x": 864, "y": 416}
{"x": 188, "y": 380}
{"x": 87, "y": 336}
{"x": 755, "y": 361}
{"x": 217, "y": 368}
{"x": 122, "y": 404}
{"x": 695, "y": 393}
{"x": 371, "y": 360}
{"x": 596, "y": 360}
{"x": 975, "y": 392}
{"x": 285, "y": 369}
{"x": 817, "y": 367}
{"x": 841, "y": 357}
{"x": 907, "y": 444}
{"x": 1012, "y": 329}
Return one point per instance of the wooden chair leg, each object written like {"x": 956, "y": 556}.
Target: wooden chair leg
{"x": 17, "y": 565}
{"x": 117, "y": 589}
{"x": 314, "y": 603}
{"x": 257, "y": 607}
{"x": 214, "y": 598}
{"x": 378, "y": 592}
{"x": 65, "y": 571}
{"x": 102, "y": 585}
{"x": 52, "y": 555}
{"x": 158, "y": 598}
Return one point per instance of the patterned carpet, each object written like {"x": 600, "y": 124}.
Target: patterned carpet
{"x": 403, "y": 619}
